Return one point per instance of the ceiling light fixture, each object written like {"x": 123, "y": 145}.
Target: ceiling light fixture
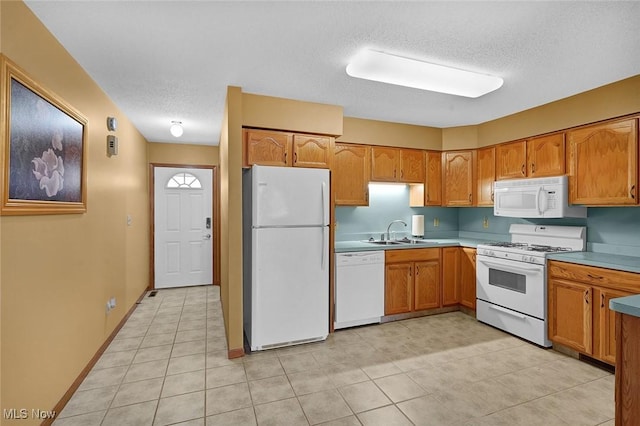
{"x": 176, "y": 129}
{"x": 387, "y": 68}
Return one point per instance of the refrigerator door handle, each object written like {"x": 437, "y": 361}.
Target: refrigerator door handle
{"x": 325, "y": 249}
{"x": 325, "y": 212}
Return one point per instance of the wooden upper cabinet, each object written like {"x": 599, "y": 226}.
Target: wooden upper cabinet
{"x": 602, "y": 164}
{"x": 433, "y": 185}
{"x": 459, "y": 179}
{"x": 486, "y": 175}
{"x": 412, "y": 165}
{"x": 545, "y": 156}
{"x": 312, "y": 151}
{"x": 384, "y": 163}
{"x": 511, "y": 160}
{"x": 397, "y": 165}
{"x": 268, "y": 148}
{"x": 350, "y": 177}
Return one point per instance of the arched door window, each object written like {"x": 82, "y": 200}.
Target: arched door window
{"x": 184, "y": 181}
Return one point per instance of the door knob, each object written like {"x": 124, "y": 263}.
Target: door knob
{"x": 206, "y": 237}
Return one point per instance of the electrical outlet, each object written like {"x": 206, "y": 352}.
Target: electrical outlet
{"x": 108, "y": 307}
{"x": 485, "y": 222}
{"x": 112, "y": 302}
{"x": 436, "y": 222}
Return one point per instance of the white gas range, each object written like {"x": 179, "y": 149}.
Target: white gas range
{"x": 511, "y": 278}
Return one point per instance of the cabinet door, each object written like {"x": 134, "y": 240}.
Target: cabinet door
{"x": 312, "y": 151}
{"x": 412, "y": 165}
{"x": 570, "y": 314}
{"x": 603, "y": 164}
{"x": 350, "y": 177}
{"x": 511, "y": 159}
{"x": 433, "y": 185}
{"x": 384, "y": 164}
{"x": 605, "y": 324}
{"x": 398, "y": 288}
{"x": 267, "y": 148}
{"x": 468, "y": 277}
{"x": 426, "y": 285}
{"x": 546, "y": 156}
{"x": 450, "y": 276}
{"x": 459, "y": 182}
{"x": 486, "y": 175}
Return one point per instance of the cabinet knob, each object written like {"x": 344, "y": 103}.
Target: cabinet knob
{"x": 533, "y": 167}
{"x": 632, "y": 192}
{"x": 295, "y": 157}
{"x": 586, "y": 297}
{"x": 602, "y": 300}
{"x": 523, "y": 170}
{"x": 470, "y": 197}
{"x": 285, "y": 158}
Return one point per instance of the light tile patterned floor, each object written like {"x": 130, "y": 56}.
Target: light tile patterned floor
{"x": 168, "y": 365}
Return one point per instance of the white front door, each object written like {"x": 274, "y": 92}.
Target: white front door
{"x": 183, "y": 227}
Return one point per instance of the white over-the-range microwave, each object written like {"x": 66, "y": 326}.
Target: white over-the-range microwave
{"x": 535, "y": 198}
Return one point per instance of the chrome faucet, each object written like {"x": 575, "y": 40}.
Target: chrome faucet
{"x": 389, "y": 227}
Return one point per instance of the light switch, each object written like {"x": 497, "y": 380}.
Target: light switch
{"x": 129, "y": 220}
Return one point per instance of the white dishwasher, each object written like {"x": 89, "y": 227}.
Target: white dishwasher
{"x": 359, "y": 285}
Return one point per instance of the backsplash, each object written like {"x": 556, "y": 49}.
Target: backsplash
{"x": 614, "y": 230}
{"x": 389, "y": 202}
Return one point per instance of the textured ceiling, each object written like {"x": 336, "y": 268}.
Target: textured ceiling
{"x": 173, "y": 60}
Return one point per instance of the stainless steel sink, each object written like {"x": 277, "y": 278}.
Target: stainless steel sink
{"x": 384, "y": 243}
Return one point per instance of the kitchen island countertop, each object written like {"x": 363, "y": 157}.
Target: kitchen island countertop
{"x": 629, "y": 305}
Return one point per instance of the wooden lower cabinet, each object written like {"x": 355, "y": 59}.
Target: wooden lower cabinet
{"x": 450, "y": 276}
{"x": 412, "y": 280}
{"x": 468, "y": 277}
{"x": 426, "y": 280}
{"x": 605, "y": 322}
{"x": 578, "y": 307}
{"x": 627, "y": 394}
{"x": 398, "y": 290}
{"x": 570, "y": 317}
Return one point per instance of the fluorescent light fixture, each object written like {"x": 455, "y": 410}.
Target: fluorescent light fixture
{"x": 176, "y": 129}
{"x": 387, "y": 68}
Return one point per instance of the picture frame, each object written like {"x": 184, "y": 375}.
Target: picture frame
{"x": 43, "y": 145}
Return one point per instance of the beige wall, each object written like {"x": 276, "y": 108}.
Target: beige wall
{"x": 191, "y": 155}
{"x": 374, "y": 132}
{"x": 231, "y": 218}
{"x": 605, "y": 102}
{"x": 463, "y": 137}
{"x": 57, "y": 272}
{"x": 287, "y": 114}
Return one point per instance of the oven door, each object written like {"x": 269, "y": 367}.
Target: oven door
{"x": 514, "y": 285}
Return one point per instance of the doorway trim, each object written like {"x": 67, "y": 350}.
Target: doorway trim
{"x": 215, "y": 197}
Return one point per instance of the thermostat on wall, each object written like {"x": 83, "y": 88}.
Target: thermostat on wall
{"x": 112, "y": 145}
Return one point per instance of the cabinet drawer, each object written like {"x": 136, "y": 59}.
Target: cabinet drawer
{"x": 411, "y": 255}
{"x": 602, "y": 277}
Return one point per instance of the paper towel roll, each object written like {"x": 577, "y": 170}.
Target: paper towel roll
{"x": 417, "y": 225}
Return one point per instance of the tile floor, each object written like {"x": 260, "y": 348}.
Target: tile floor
{"x": 168, "y": 365}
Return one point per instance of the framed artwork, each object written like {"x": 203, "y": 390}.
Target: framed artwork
{"x": 42, "y": 148}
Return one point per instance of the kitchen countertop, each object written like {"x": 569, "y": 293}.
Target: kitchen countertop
{"x": 629, "y": 305}
{"x": 603, "y": 260}
{"x": 347, "y": 246}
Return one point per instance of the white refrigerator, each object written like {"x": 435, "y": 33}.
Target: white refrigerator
{"x": 285, "y": 256}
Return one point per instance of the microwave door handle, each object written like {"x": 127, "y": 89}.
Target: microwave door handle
{"x": 538, "y": 200}
{"x": 544, "y": 201}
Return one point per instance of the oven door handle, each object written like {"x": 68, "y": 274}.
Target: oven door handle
{"x": 507, "y": 268}
{"x": 507, "y": 311}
